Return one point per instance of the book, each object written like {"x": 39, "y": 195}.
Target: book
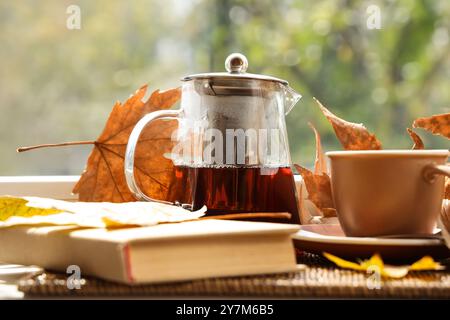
{"x": 161, "y": 253}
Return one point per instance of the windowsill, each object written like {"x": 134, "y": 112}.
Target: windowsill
{"x": 58, "y": 187}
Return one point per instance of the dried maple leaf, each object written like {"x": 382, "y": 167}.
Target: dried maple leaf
{"x": 444, "y": 221}
{"x": 104, "y": 179}
{"x": 320, "y": 164}
{"x": 318, "y": 187}
{"x": 418, "y": 143}
{"x": 353, "y": 136}
{"x": 445, "y": 214}
{"x": 319, "y": 202}
{"x": 438, "y": 124}
{"x": 329, "y": 212}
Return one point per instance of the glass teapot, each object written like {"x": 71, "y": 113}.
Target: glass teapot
{"x": 232, "y": 150}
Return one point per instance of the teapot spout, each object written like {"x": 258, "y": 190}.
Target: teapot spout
{"x": 291, "y": 97}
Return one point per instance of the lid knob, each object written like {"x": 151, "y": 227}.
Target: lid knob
{"x": 236, "y": 63}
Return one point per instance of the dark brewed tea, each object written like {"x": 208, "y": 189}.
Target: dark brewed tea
{"x": 240, "y": 189}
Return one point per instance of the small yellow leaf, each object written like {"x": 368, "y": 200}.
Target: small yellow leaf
{"x": 10, "y": 206}
{"x": 376, "y": 264}
{"x": 426, "y": 263}
{"x": 394, "y": 271}
{"x": 375, "y": 260}
{"x": 343, "y": 263}
{"x": 111, "y": 223}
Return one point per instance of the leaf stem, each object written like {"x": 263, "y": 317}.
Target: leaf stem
{"x": 52, "y": 145}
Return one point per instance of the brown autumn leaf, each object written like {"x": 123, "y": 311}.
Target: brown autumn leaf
{"x": 438, "y": 124}
{"x": 329, "y": 212}
{"x": 318, "y": 187}
{"x": 320, "y": 164}
{"x": 418, "y": 143}
{"x": 447, "y": 188}
{"x": 352, "y": 136}
{"x": 444, "y": 221}
{"x": 309, "y": 212}
{"x": 104, "y": 178}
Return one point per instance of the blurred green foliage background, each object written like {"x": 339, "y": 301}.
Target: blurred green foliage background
{"x": 58, "y": 84}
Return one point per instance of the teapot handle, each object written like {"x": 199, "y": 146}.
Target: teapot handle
{"x": 131, "y": 148}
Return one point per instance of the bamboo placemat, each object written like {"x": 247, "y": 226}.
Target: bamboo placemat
{"x": 315, "y": 277}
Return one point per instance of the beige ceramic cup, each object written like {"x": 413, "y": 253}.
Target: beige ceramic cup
{"x": 388, "y": 192}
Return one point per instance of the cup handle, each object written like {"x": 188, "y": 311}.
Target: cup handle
{"x": 131, "y": 148}
{"x": 432, "y": 170}
{"x": 429, "y": 173}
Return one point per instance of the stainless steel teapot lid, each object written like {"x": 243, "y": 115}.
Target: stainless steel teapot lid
{"x": 236, "y": 64}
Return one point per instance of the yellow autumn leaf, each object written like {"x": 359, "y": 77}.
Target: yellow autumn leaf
{"x": 426, "y": 263}
{"x": 44, "y": 211}
{"x": 343, "y": 263}
{"x": 10, "y": 206}
{"x": 395, "y": 272}
{"x": 375, "y": 260}
{"x": 375, "y": 263}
